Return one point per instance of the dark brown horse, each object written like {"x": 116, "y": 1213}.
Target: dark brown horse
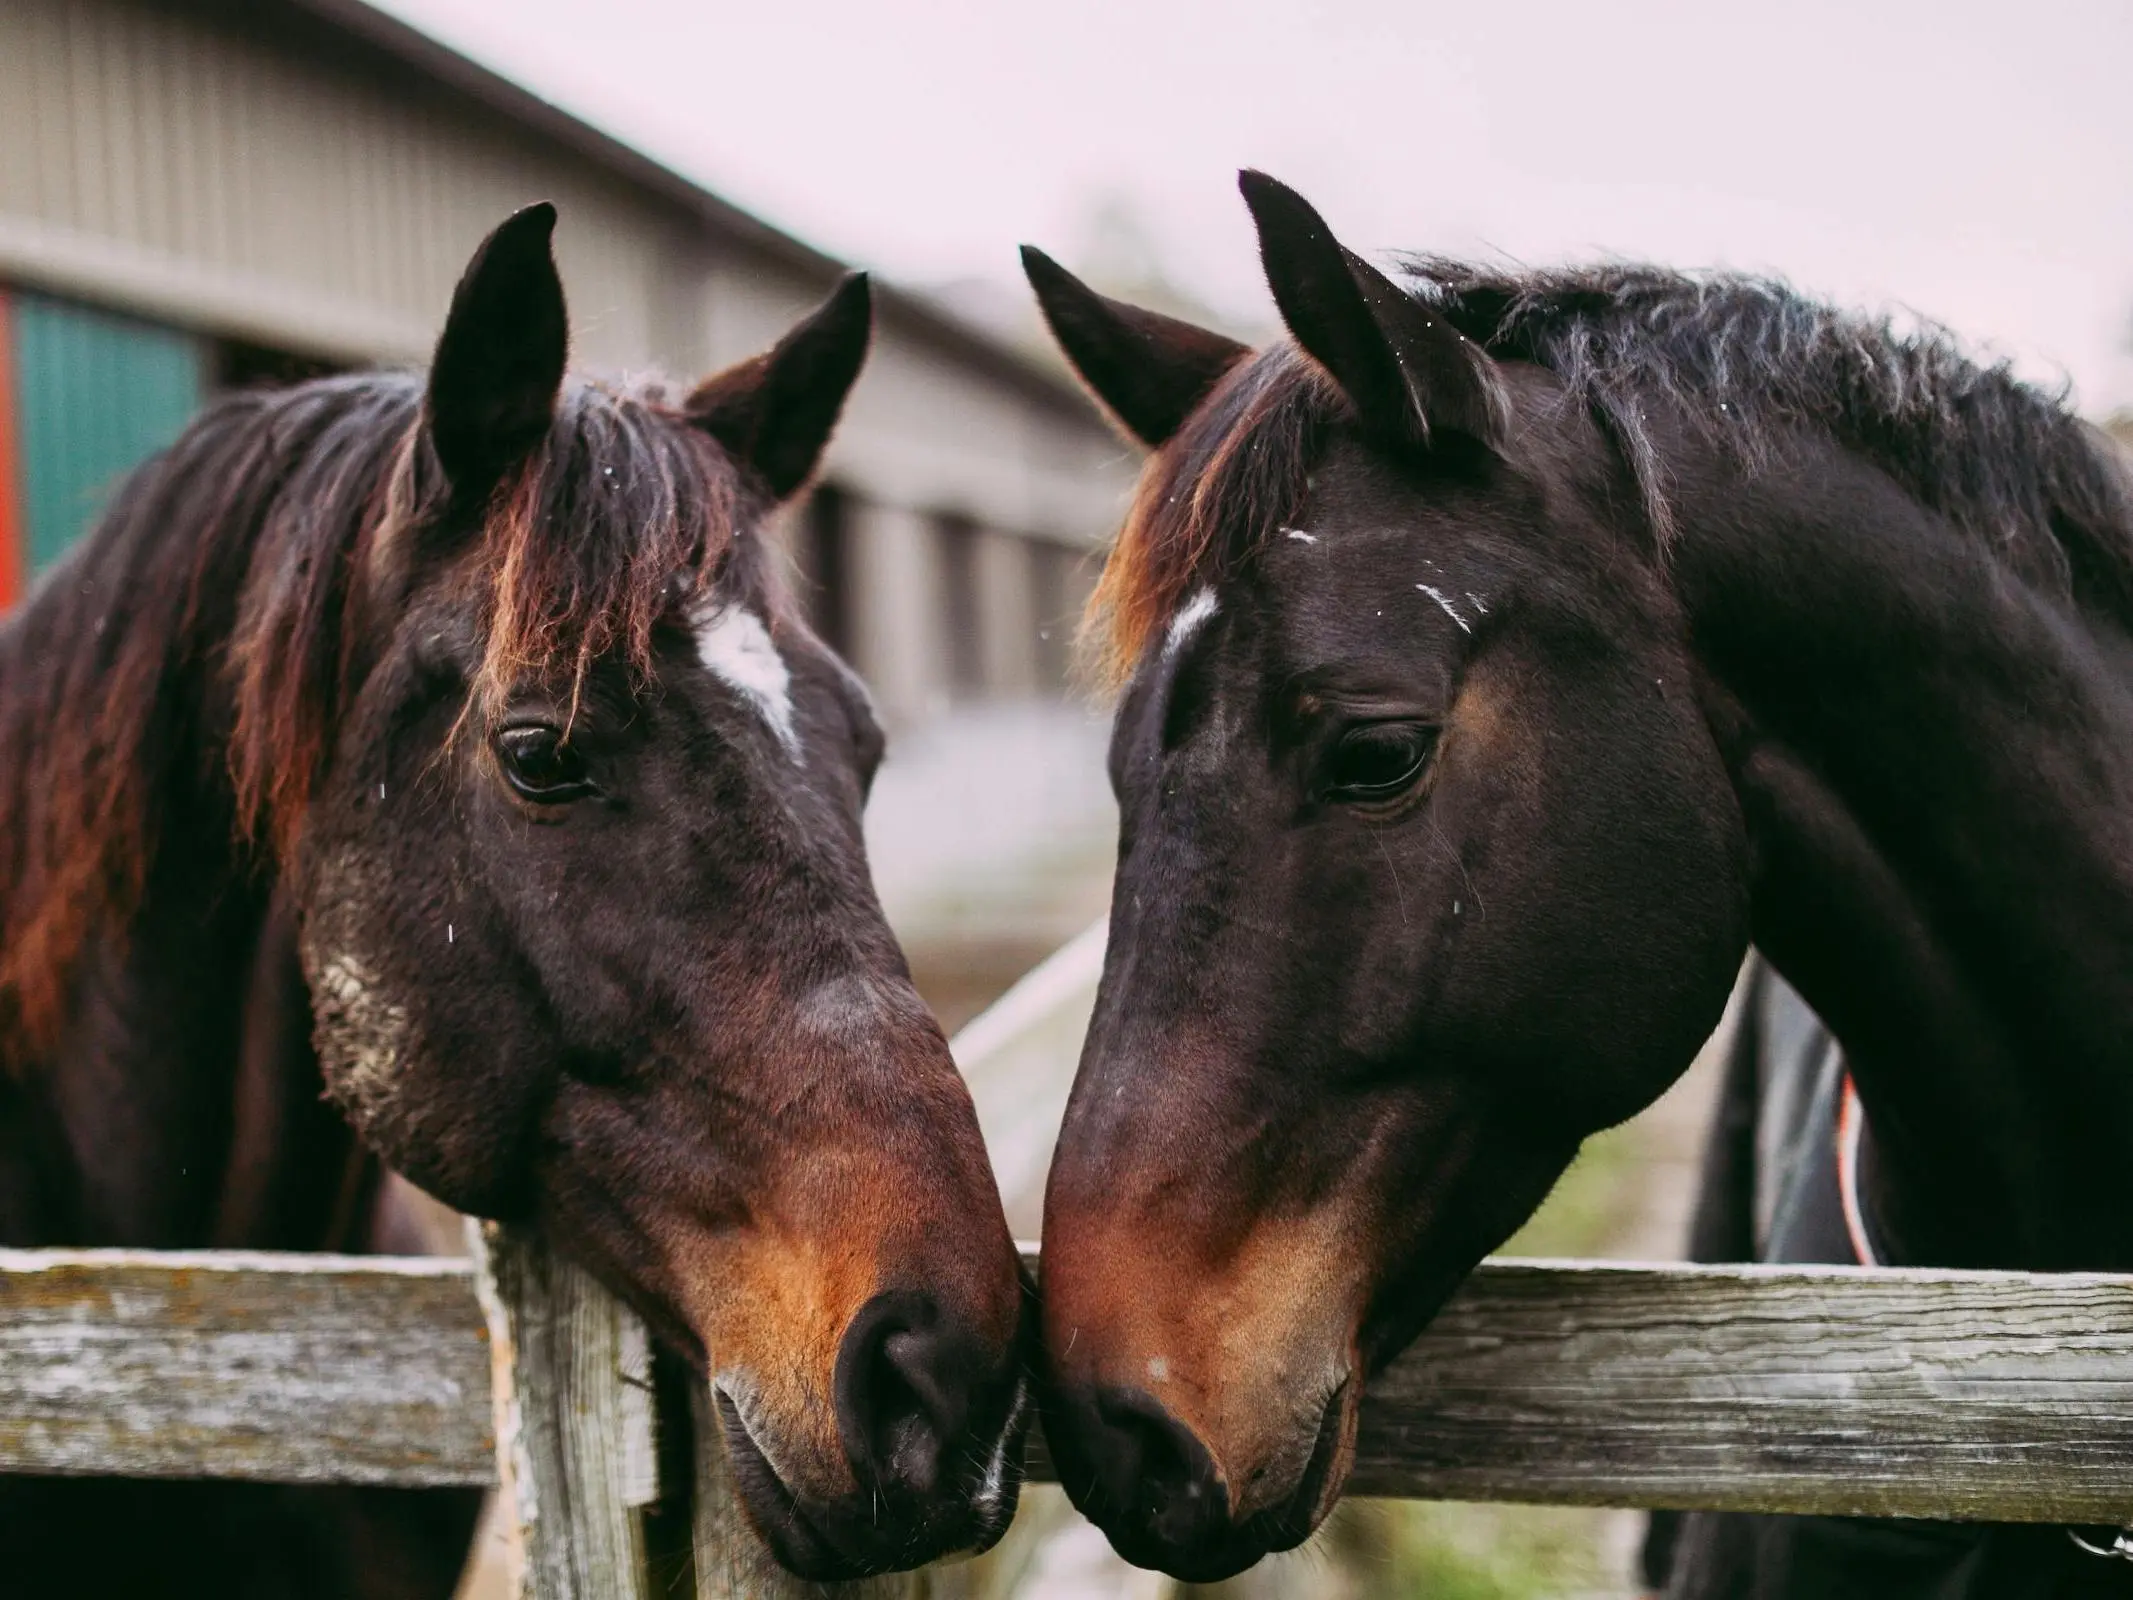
{"x": 447, "y": 752}
{"x": 1500, "y": 657}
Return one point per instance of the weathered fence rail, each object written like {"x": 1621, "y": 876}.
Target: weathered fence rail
{"x": 1927, "y": 1394}
{"x": 1932, "y": 1394}
{"x": 288, "y": 1368}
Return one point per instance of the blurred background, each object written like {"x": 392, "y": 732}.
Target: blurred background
{"x": 203, "y": 194}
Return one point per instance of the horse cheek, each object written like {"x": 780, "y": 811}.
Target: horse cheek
{"x": 435, "y": 1111}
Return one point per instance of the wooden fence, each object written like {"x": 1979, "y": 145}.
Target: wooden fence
{"x": 1912, "y": 1393}
{"x": 1908, "y": 1393}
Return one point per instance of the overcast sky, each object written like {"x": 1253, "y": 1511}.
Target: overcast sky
{"x": 1971, "y": 161}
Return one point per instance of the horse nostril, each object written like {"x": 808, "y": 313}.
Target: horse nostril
{"x": 1148, "y": 1460}
{"x": 903, "y": 1392}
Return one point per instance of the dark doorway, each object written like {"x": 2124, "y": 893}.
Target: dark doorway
{"x": 957, "y": 539}
{"x": 824, "y": 552}
{"x": 1056, "y": 580}
{"x": 241, "y": 365}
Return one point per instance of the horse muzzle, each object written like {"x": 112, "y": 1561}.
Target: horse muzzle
{"x": 1165, "y": 1500}
{"x": 930, "y": 1430}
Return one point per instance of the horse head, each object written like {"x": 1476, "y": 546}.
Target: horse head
{"x": 589, "y": 927}
{"x": 1428, "y": 868}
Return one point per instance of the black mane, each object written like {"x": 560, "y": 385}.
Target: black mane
{"x": 1751, "y": 363}
{"x": 1748, "y": 362}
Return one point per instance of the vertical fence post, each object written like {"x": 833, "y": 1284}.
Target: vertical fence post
{"x": 572, "y": 1385}
{"x": 732, "y": 1562}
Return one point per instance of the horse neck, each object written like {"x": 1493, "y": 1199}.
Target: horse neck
{"x": 1934, "y": 762}
{"x": 180, "y": 1103}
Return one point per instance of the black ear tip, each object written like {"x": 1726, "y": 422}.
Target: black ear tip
{"x": 529, "y": 223}
{"x": 522, "y": 243}
{"x": 849, "y": 311}
{"x": 1038, "y": 267}
{"x": 1271, "y": 200}
{"x": 1058, "y": 290}
{"x": 853, "y": 296}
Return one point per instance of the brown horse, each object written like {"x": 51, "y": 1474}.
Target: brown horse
{"x": 1500, "y": 657}
{"x": 447, "y": 751}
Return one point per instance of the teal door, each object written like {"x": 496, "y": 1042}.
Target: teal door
{"x": 95, "y": 394}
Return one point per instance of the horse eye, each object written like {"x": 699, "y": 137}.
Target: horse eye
{"x": 539, "y": 765}
{"x": 1379, "y": 761}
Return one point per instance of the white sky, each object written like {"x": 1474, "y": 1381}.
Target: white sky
{"x": 1969, "y": 160}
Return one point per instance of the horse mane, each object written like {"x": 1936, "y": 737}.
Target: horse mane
{"x": 207, "y": 636}
{"x": 1745, "y": 361}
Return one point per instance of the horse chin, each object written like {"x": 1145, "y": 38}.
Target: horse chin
{"x": 1208, "y": 1546}
{"x": 774, "y": 1510}
{"x": 839, "y": 1541}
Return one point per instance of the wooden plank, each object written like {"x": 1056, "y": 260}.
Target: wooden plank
{"x": 283, "y": 1368}
{"x": 1807, "y": 1390}
{"x": 1828, "y": 1390}
{"x": 572, "y": 1392}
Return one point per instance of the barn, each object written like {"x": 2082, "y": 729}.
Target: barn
{"x": 201, "y": 193}
{"x": 198, "y": 194}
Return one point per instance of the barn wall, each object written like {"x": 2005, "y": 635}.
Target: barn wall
{"x": 205, "y": 167}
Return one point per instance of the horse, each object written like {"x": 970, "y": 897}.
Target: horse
{"x": 1784, "y": 1179}
{"x": 431, "y": 774}
{"x": 1501, "y": 654}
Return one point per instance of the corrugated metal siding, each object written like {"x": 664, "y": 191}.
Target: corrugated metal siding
{"x": 162, "y": 131}
{"x": 94, "y": 396}
{"x": 154, "y": 159}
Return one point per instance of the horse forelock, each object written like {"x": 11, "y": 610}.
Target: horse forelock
{"x": 1235, "y": 471}
{"x": 235, "y": 571}
{"x": 629, "y": 516}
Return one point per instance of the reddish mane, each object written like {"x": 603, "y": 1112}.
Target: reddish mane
{"x": 1233, "y": 474}
{"x": 208, "y": 634}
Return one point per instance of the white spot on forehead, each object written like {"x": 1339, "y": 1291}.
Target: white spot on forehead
{"x": 733, "y": 643}
{"x": 1300, "y": 536}
{"x": 1449, "y": 609}
{"x": 1190, "y": 618}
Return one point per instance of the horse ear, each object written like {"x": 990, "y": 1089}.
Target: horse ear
{"x": 1408, "y": 372}
{"x": 1149, "y": 371}
{"x": 499, "y": 362}
{"x": 774, "y": 412}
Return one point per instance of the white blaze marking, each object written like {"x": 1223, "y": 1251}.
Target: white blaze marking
{"x": 1191, "y": 617}
{"x": 1300, "y": 536}
{"x": 733, "y": 643}
{"x": 1159, "y": 1369}
{"x": 1449, "y": 609}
